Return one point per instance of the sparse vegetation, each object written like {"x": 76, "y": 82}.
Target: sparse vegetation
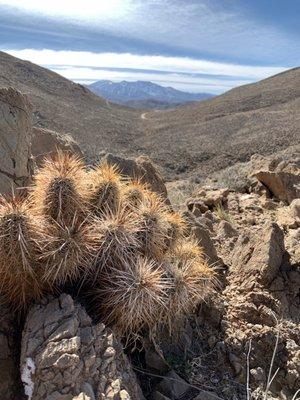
{"x": 222, "y": 213}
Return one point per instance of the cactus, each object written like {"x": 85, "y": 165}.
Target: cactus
{"x": 135, "y": 192}
{"x": 188, "y": 248}
{"x": 105, "y": 188}
{"x": 115, "y": 237}
{"x": 176, "y": 229}
{"x": 153, "y": 227}
{"x": 68, "y": 254}
{"x": 191, "y": 279}
{"x": 60, "y": 188}
{"x": 133, "y": 298}
{"x": 119, "y": 235}
{"x": 20, "y": 234}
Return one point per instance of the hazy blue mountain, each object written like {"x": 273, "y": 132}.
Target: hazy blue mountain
{"x": 143, "y": 94}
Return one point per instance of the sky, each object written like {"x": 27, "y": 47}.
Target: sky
{"x": 193, "y": 45}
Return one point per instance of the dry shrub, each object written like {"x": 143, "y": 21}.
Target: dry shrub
{"x": 20, "y": 234}
{"x": 133, "y": 298}
{"x": 69, "y": 252}
{"x": 105, "y": 189}
{"x": 60, "y": 188}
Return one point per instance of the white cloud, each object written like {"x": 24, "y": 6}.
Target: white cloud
{"x": 219, "y": 29}
{"x": 176, "y": 80}
{"x": 144, "y": 62}
{"x": 80, "y": 10}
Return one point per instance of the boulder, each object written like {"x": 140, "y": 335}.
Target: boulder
{"x": 9, "y": 379}
{"x": 226, "y": 230}
{"x": 15, "y": 140}
{"x": 280, "y": 176}
{"x": 202, "y": 234}
{"x": 208, "y": 197}
{"x": 173, "y": 386}
{"x": 45, "y": 142}
{"x": 289, "y": 217}
{"x": 21, "y": 144}
{"x": 65, "y": 356}
{"x": 140, "y": 168}
{"x": 261, "y": 255}
{"x": 197, "y": 207}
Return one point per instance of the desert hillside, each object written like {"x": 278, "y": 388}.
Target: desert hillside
{"x": 107, "y": 292}
{"x": 201, "y": 138}
{"x": 192, "y": 140}
{"x": 64, "y": 106}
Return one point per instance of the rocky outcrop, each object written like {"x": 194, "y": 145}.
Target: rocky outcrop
{"x": 64, "y": 356}
{"x": 21, "y": 144}
{"x": 140, "y": 168}
{"x": 261, "y": 307}
{"x": 9, "y": 377}
{"x": 45, "y": 142}
{"x": 206, "y": 198}
{"x": 200, "y": 231}
{"x": 260, "y": 256}
{"x": 15, "y": 140}
{"x": 280, "y": 176}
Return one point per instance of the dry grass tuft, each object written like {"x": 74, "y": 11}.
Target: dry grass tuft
{"x": 133, "y": 298}
{"x": 153, "y": 231}
{"x": 20, "y": 234}
{"x": 69, "y": 252}
{"x": 105, "y": 189}
{"x": 60, "y": 188}
{"x": 114, "y": 235}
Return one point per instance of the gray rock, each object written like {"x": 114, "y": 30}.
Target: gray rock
{"x": 226, "y": 230}
{"x": 158, "y": 396}
{"x": 141, "y": 168}
{"x": 65, "y": 356}
{"x": 9, "y": 380}
{"x": 15, "y": 140}
{"x": 261, "y": 255}
{"x": 173, "y": 386}
{"x": 45, "y": 142}
{"x": 203, "y": 236}
{"x": 281, "y": 177}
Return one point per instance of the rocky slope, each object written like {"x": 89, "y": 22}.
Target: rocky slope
{"x": 197, "y": 140}
{"x": 243, "y": 342}
{"x": 192, "y": 141}
{"x": 63, "y": 106}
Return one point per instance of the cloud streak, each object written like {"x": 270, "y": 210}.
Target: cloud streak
{"x": 195, "y": 28}
{"x": 157, "y": 63}
{"x": 183, "y": 73}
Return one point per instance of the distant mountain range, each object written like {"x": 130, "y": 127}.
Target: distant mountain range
{"x": 143, "y": 94}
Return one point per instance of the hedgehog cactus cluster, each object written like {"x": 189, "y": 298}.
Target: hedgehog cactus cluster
{"x": 98, "y": 228}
